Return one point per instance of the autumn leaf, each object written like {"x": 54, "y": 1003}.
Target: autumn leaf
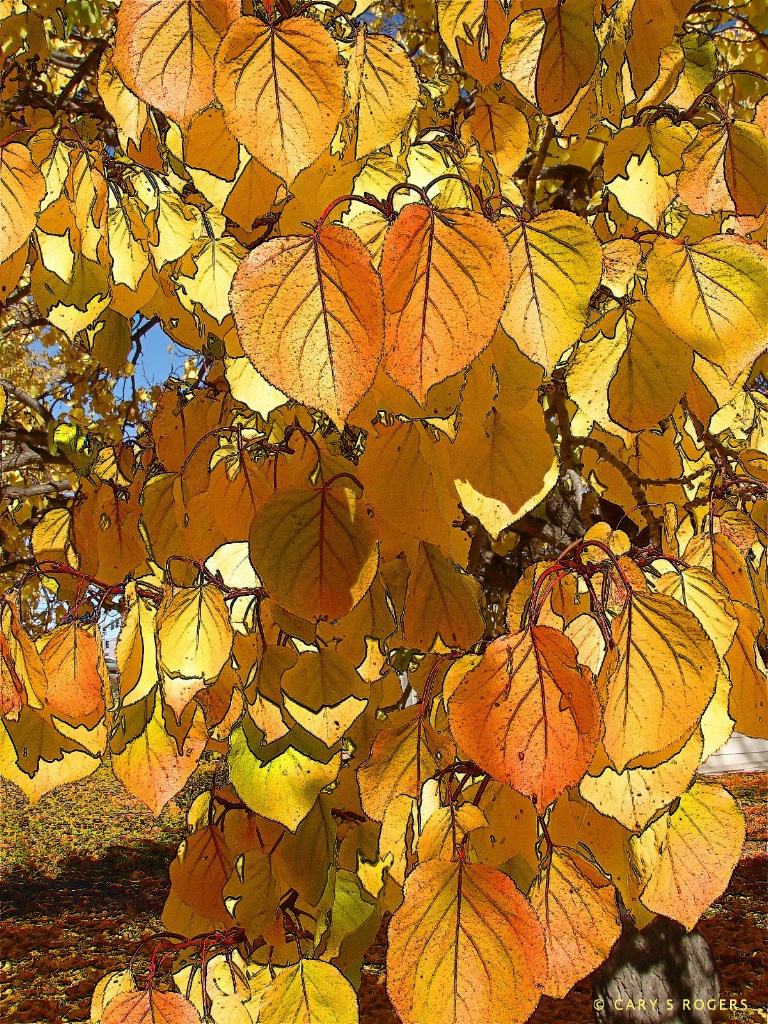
{"x": 685, "y": 858}
{"x": 152, "y": 767}
{"x": 78, "y": 683}
{"x": 281, "y": 87}
{"x": 635, "y": 795}
{"x": 435, "y": 260}
{"x": 309, "y": 991}
{"x": 164, "y": 51}
{"x": 653, "y": 372}
{"x": 528, "y": 714}
{"x": 200, "y": 871}
{"x": 324, "y": 694}
{"x": 441, "y": 601}
{"x": 194, "y": 635}
{"x": 150, "y": 1006}
{"x": 309, "y": 315}
{"x": 22, "y": 188}
{"x": 658, "y": 678}
{"x": 314, "y": 551}
{"x": 464, "y": 944}
{"x": 714, "y": 296}
{"x": 556, "y": 266}
{"x": 502, "y": 131}
{"x": 579, "y": 916}
{"x": 568, "y": 53}
{"x": 383, "y": 87}
{"x": 283, "y": 788}
{"x": 403, "y": 756}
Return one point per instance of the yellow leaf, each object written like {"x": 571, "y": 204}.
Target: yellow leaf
{"x": 435, "y": 260}
{"x": 284, "y": 788}
{"x": 702, "y": 594}
{"x": 464, "y": 946}
{"x": 152, "y": 767}
{"x": 216, "y": 264}
{"x": 519, "y": 465}
{"x": 164, "y": 51}
{"x": 685, "y": 859}
{"x": 126, "y": 109}
{"x": 579, "y": 917}
{"x": 568, "y": 53}
{"x": 502, "y": 130}
{"x": 309, "y": 316}
{"x": 59, "y": 761}
{"x": 633, "y": 796}
{"x": 445, "y": 829}
{"x": 324, "y": 694}
{"x": 658, "y": 678}
{"x": 194, "y": 634}
{"x": 383, "y": 87}
{"x": 652, "y": 374}
{"x": 556, "y": 266}
{"x": 714, "y": 296}
{"x": 22, "y": 188}
{"x": 400, "y": 761}
{"x": 281, "y": 87}
{"x": 309, "y": 992}
{"x": 521, "y": 51}
{"x": 314, "y": 551}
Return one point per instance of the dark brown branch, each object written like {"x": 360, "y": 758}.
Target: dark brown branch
{"x": 538, "y": 163}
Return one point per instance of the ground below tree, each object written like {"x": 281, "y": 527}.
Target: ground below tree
{"x": 84, "y": 876}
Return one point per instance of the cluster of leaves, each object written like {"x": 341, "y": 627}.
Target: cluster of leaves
{"x": 443, "y": 296}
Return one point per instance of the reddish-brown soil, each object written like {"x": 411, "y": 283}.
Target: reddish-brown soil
{"x": 85, "y": 874}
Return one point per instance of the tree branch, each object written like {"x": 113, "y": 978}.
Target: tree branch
{"x": 538, "y": 163}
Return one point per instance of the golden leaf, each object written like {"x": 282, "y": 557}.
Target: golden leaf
{"x": 309, "y": 316}
{"x": 464, "y": 946}
{"x": 194, "y": 634}
{"x": 435, "y": 260}
{"x": 282, "y": 89}
{"x": 685, "y": 859}
{"x": 658, "y": 678}
{"x": 556, "y": 266}
{"x": 309, "y": 992}
{"x": 529, "y": 714}
{"x": 22, "y": 189}
{"x": 714, "y": 296}
{"x": 579, "y": 917}
{"x": 314, "y": 551}
{"x": 164, "y": 51}
{"x": 383, "y": 87}
{"x": 441, "y": 601}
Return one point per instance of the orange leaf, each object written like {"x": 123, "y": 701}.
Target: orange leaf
{"x": 282, "y": 89}
{"x": 77, "y": 675}
{"x": 164, "y": 51}
{"x": 441, "y": 600}
{"x": 579, "y": 917}
{"x": 529, "y": 714}
{"x": 309, "y": 316}
{"x": 22, "y": 188}
{"x": 446, "y": 278}
{"x": 465, "y": 946}
{"x": 150, "y": 1007}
